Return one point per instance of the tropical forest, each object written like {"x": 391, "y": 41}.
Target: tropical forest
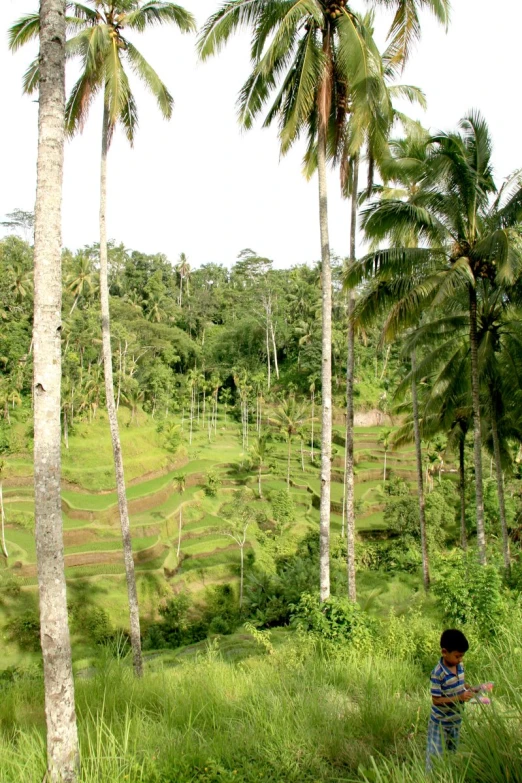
{"x": 240, "y": 502}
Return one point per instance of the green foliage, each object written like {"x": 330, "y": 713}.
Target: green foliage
{"x": 283, "y": 508}
{"x": 212, "y": 484}
{"x": 91, "y": 623}
{"x": 469, "y": 593}
{"x": 335, "y": 620}
{"x": 24, "y": 630}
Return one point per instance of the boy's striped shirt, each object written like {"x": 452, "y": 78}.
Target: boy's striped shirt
{"x": 446, "y": 684}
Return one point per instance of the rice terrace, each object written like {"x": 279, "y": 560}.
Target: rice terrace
{"x": 260, "y": 453}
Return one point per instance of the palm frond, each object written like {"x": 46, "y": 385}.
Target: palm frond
{"x": 232, "y": 15}
{"x": 149, "y": 76}
{"x": 157, "y": 12}
{"x": 25, "y": 29}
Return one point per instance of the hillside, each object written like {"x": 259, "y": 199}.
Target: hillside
{"x": 93, "y": 555}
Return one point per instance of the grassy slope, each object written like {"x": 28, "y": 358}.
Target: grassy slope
{"x": 92, "y": 538}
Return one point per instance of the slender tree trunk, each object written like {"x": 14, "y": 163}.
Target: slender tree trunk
{"x": 420, "y": 484}
{"x": 2, "y": 518}
{"x": 259, "y": 480}
{"x": 349, "y": 484}
{"x": 462, "y": 490}
{"x": 288, "y": 463}
{"x": 313, "y": 416}
{"x": 276, "y": 364}
{"x": 477, "y": 439}
{"x": 65, "y": 431}
{"x": 268, "y": 354}
{"x": 242, "y": 555}
{"x": 326, "y": 360}
{"x": 179, "y": 528}
{"x": 384, "y": 470}
{"x": 62, "y": 736}
{"x": 500, "y": 486}
{"x": 134, "y": 614}
{"x": 302, "y": 457}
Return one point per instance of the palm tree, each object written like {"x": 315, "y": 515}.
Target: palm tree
{"x": 180, "y": 479}
{"x": 290, "y": 417}
{"x": 316, "y": 49}
{"x": 225, "y": 397}
{"x": 260, "y": 450}
{"x": 62, "y": 736}
{"x": 101, "y": 45}
{"x": 2, "y": 513}
{"x": 466, "y": 226}
{"x": 183, "y": 270}
{"x": 81, "y": 280}
{"x": 385, "y": 441}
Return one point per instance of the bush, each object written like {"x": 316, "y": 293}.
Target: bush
{"x": 334, "y": 620}
{"x": 468, "y": 592}
{"x": 24, "y": 630}
{"x": 91, "y": 622}
{"x": 212, "y": 484}
{"x": 283, "y": 508}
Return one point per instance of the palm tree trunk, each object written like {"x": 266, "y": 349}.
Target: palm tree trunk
{"x": 288, "y": 463}
{"x": 268, "y": 354}
{"x": 384, "y": 469}
{"x": 313, "y": 417}
{"x": 326, "y": 361}
{"x": 420, "y": 483}
{"x": 2, "y": 518}
{"x": 349, "y": 491}
{"x": 500, "y": 486}
{"x": 179, "y": 528}
{"x": 60, "y": 714}
{"x": 462, "y": 489}
{"x": 274, "y": 348}
{"x": 477, "y": 439}
{"x": 134, "y": 614}
{"x": 242, "y": 555}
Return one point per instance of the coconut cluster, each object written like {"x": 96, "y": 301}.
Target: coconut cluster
{"x": 335, "y": 9}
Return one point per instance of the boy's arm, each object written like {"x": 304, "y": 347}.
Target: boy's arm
{"x": 461, "y": 697}
{"x": 438, "y": 699}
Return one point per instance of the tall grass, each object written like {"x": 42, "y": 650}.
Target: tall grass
{"x": 293, "y": 713}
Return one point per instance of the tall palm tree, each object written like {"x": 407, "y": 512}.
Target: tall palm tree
{"x": 62, "y": 736}
{"x": 183, "y": 270}
{"x": 81, "y": 280}
{"x": 100, "y": 44}
{"x": 2, "y": 512}
{"x": 315, "y": 49}
{"x": 466, "y": 226}
{"x": 180, "y": 479}
{"x": 259, "y": 451}
{"x": 290, "y": 417}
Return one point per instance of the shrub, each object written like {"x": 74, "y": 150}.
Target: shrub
{"x": 24, "y": 630}
{"x": 334, "y": 620}
{"x": 212, "y": 484}
{"x": 468, "y": 592}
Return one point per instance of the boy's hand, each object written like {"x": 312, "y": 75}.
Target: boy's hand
{"x": 466, "y": 695}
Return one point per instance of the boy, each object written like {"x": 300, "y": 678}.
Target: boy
{"x": 448, "y": 692}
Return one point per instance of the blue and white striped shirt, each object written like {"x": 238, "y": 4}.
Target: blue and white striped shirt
{"x": 447, "y": 685}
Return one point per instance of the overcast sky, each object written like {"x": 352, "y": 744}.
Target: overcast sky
{"x": 199, "y": 185}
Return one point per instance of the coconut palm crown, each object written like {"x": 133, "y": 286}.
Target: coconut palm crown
{"x": 96, "y": 35}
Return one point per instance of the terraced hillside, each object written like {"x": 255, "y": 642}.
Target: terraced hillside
{"x": 206, "y": 554}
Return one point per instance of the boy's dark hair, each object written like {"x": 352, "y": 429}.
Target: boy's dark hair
{"x": 453, "y": 640}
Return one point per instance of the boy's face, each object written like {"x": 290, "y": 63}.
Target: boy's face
{"x": 453, "y": 657}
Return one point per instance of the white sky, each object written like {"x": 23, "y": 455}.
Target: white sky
{"x": 199, "y": 185}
